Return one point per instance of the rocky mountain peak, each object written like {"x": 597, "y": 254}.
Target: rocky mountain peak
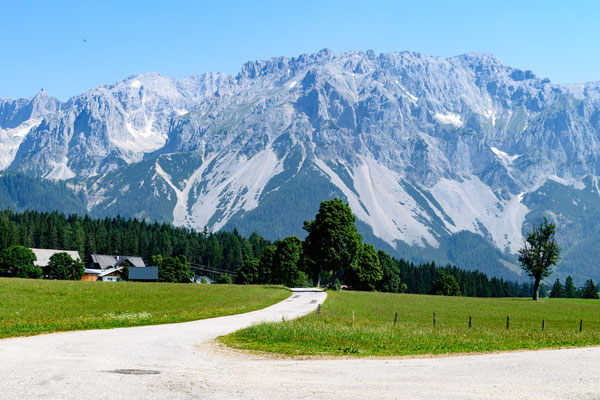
{"x": 423, "y": 148}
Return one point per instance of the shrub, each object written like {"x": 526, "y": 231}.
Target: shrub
{"x": 225, "y": 279}
{"x": 62, "y": 266}
{"x": 17, "y": 262}
{"x": 445, "y": 284}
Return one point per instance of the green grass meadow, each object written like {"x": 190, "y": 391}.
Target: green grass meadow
{"x": 333, "y": 332}
{"x": 30, "y": 307}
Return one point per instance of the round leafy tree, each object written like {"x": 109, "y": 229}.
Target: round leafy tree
{"x": 332, "y": 243}
{"x": 62, "y": 266}
{"x": 173, "y": 269}
{"x": 366, "y": 272}
{"x": 390, "y": 282}
{"x": 445, "y": 284}
{"x": 285, "y": 263}
{"x": 17, "y": 262}
{"x": 248, "y": 273}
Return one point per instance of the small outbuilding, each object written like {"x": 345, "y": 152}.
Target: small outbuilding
{"x": 143, "y": 274}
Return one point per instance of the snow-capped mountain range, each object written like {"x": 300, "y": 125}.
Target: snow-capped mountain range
{"x": 423, "y": 148}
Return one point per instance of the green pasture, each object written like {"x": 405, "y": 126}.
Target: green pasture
{"x": 372, "y": 332}
{"x": 30, "y": 307}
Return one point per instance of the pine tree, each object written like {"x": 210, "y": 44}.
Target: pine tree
{"x": 557, "y": 290}
{"x": 589, "y": 290}
{"x": 570, "y": 291}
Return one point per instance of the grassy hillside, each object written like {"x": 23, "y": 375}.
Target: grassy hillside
{"x": 333, "y": 333}
{"x": 29, "y": 307}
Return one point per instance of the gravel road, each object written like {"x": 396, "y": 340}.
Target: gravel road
{"x": 179, "y": 361}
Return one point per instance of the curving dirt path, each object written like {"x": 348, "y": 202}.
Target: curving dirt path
{"x": 177, "y": 362}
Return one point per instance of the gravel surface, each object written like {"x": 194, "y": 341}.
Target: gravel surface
{"x": 179, "y": 361}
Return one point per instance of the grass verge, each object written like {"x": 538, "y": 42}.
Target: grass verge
{"x": 29, "y": 307}
{"x": 334, "y": 333}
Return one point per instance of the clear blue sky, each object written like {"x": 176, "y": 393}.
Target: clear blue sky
{"x": 42, "y": 42}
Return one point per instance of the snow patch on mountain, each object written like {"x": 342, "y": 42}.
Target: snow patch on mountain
{"x": 449, "y": 119}
{"x": 504, "y": 157}
{"x": 491, "y": 115}
{"x": 142, "y": 140}
{"x": 411, "y": 96}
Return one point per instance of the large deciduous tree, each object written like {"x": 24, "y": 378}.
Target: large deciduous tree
{"x": 265, "y": 267}
{"x": 366, "y": 272}
{"x": 445, "y": 284}
{"x": 285, "y": 269}
{"x": 62, "y": 266}
{"x": 391, "y": 281}
{"x": 539, "y": 253}
{"x": 248, "y": 273}
{"x": 332, "y": 243}
{"x": 173, "y": 269}
{"x": 17, "y": 262}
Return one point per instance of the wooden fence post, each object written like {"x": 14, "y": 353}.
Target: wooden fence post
{"x": 469, "y": 322}
{"x": 580, "y": 325}
{"x": 395, "y": 318}
{"x": 507, "y": 321}
{"x": 543, "y": 324}
{"x": 434, "y": 319}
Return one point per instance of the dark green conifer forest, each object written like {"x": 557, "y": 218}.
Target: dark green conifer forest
{"x": 228, "y": 252}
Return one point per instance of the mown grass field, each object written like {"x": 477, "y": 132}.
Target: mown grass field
{"x": 29, "y": 307}
{"x": 372, "y": 334}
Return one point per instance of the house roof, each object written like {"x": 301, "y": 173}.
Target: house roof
{"x": 143, "y": 273}
{"x": 92, "y": 271}
{"x": 109, "y": 271}
{"x": 107, "y": 261}
{"x": 104, "y": 261}
{"x": 135, "y": 261}
{"x": 43, "y": 255}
